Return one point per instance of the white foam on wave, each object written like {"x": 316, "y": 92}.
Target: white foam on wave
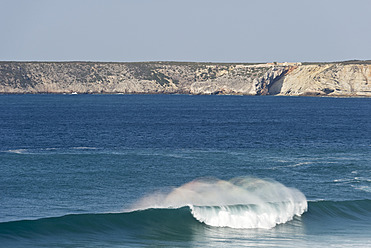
{"x": 263, "y": 215}
{"x": 362, "y": 188}
{"x": 238, "y": 203}
{"x": 84, "y": 148}
{"x": 18, "y": 151}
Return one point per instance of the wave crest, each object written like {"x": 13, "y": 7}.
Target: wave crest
{"x": 238, "y": 203}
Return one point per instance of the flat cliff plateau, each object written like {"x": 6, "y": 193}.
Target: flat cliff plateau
{"x": 352, "y": 78}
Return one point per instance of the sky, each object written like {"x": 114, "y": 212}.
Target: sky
{"x": 185, "y": 30}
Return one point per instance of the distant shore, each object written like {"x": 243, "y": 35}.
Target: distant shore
{"x": 335, "y": 79}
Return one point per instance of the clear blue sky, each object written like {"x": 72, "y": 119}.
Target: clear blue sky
{"x": 185, "y": 30}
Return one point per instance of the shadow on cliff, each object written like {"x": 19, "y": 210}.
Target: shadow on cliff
{"x": 275, "y": 87}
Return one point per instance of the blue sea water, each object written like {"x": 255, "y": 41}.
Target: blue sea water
{"x": 184, "y": 171}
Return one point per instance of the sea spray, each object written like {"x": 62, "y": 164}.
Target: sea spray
{"x": 242, "y": 202}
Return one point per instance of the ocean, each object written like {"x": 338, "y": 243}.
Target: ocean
{"x": 184, "y": 171}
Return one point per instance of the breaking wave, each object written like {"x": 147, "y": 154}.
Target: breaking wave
{"x": 237, "y": 203}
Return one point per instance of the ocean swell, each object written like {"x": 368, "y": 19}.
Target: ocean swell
{"x": 178, "y": 223}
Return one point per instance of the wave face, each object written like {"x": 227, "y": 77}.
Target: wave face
{"x": 358, "y": 210}
{"x": 237, "y": 203}
{"x": 154, "y": 221}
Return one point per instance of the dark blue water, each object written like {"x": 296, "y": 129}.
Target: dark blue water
{"x": 72, "y": 165}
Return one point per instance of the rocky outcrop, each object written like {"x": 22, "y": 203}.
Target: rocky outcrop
{"x": 330, "y": 79}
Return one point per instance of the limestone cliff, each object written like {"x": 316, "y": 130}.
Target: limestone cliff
{"x": 332, "y": 79}
{"x": 328, "y": 79}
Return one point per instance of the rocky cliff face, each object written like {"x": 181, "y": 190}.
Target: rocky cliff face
{"x": 337, "y": 79}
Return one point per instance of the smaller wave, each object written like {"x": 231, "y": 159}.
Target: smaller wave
{"x": 17, "y": 151}
{"x": 84, "y": 148}
{"x": 358, "y": 183}
{"x": 30, "y": 151}
{"x": 354, "y": 179}
{"x": 362, "y": 188}
{"x": 52, "y": 150}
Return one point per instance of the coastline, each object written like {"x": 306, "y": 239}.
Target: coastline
{"x": 338, "y": 79}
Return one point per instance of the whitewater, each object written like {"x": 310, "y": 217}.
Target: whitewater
{"x": 238, "y": 203}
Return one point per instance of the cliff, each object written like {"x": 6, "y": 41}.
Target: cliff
{"x": 330, "y": 79}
